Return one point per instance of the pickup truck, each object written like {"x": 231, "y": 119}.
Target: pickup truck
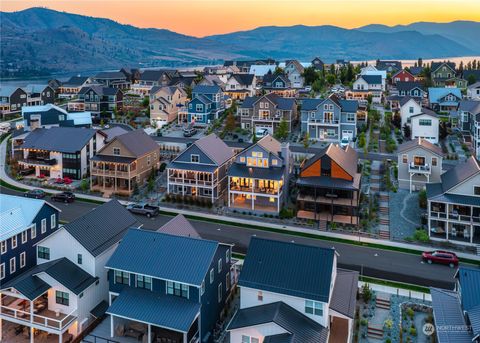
{"x": 144, "y": 209}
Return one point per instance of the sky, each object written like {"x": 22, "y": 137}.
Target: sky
{"x": 206, "y": 17}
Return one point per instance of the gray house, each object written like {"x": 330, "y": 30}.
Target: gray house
{"x": 329, "y": 119}
{"x": 469, "y": 121}
{"x": 419, "y": 163}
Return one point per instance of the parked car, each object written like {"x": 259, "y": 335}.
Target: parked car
{"x": 261, "y": 133}
{"x": 441, "y": 257}
{"x": 26, "y": 171}
{"x": 35, "y": 194}
{"x": 345, "y": 142}
{"x": 64, "y": 197}
{"x": 144, "y": 209}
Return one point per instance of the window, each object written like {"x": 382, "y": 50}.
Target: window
{"x": 61, "y": 298}
{"x": 3, "y": 247}
{"x": 312, "y": 115}
{"x": 122, "y": 278}
{"x": 14, "y": 242}
{"x": 53, "y": 221}
{"x": 212, "y": 275}
{"x": 148, "y": 160}
{"x": 242, "y": 159}
{"x": 79, "y": 259}
{"x": 404, "y": 158}
{"x": 410, "y": 109}
{"x": 199, "y": 108}
{"x": 144, "y": 282}
{"x": 2, "y": 271}
{"x": 12, "y": 265}
{"x": 44, "y": 225}
{"x": 202, "y": 288}
{"x": 24, "y": 237}
{"x": 425, "y": 122}
{"x": 434, "y": 161}
{"x": 248, "y": 339}
{"x": 43, "y": 253}
{"x": 476, "y": 190}
{"x": 34, "y": 231}
{"x": 274, "y": 162}
{"x": 219, "y": 265}
{"x": 227, "y": 256}
{"x": 194, "y": 158}
{"x": 260, "y": 296}
{"x": 22, "y": 259}
{"x": 177, "y": 289}
{"x": 220, "y": 292}
{"x": 313, "y": 307}
{"x": 351, "y": 117}
{"x": 116, "y": 151}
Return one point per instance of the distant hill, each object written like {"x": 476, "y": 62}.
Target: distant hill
{"x": 39, "y": 39}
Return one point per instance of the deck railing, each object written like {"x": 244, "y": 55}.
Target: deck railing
{"x": 45, "y": 321}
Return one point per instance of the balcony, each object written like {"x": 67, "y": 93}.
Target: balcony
{"x": 255, "y": 190}
{"x": 112, "y": 173}
{"x": 323, "y": 121}
{"x": 423, "y": 169}
{"x": 189, "y": 181}
{"x": 49, "y": 162}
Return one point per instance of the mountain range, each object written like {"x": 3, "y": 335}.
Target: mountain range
{"x": 52, "y": 41}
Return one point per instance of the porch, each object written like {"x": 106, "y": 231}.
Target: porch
{"x": 328, "y": 217}
{"x": 250, "y": 202}
{"x": 17, "y": 333}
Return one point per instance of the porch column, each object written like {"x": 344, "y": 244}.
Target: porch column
{"x": 31, "y": 334}
{"x": 111, "y": 327}
{"x": 60, "y": 338}
{"x": 228, "y": 191}
{"x": 129, "y": 166}
{"x": 149, "y": 335}
{"x": 1, "y": 322}
{"x": 253, "y": 191}
{"x": 410, "y": 182}
{"x": 103, "y": 176}
{"x": 184, "y": 337}
{"x": 183, "y": 183}
{"x": 115, "y": 185}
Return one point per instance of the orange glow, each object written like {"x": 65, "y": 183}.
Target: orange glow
{"x": 201, "y": 18}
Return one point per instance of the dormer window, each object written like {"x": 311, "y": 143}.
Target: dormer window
{"x": 194, "y": 158}
{"x": 116, "y": 151}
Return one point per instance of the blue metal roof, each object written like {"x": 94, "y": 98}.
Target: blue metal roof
{"x": 288, "y": 268}
{"x": 469, "y": 280}
{"x": 166, "y": 311}
{"x": 206, "y": 89}
{"x": 164, "y": 256}
{"x": 435, "y": 94}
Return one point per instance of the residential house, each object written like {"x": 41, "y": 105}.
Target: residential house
{"x": 294, "y": 72}
{"x": 372, "y": 70}
{"x": 49, "y": 115}
{"x": 440, "y": 72}
{"x": 168, "y": 287}
{"x": 365, "y": 86}
{"x": 390, "y": 67}
{"x": 453, "y": 206}
{"x": 402, "y": 75}
{"x": 72, "y": 86}
{"x": 165, "y": 103}
{"x": 425, "y": 125}
{"x": 473, "y": 91}
{"x": 151, "y": 78}
{"x": 318, "y": 64}
{"x": 469, "y": 117}
{"x": 113, "y": 79}
{"x": 467, "y": 280}
{"x": 245, "y": 66}
{"x": 101, "y": 101}
{"x": 266, "y": 112}
{"x": 457, "y": 82}
{"x": 124, "y": 163}
{"x": 23, "y": 223}
{"x": 278, "y": 84}
{"x": 239, "y": 86}
{"x": 329, "y": 187}
{"x": 291, "y": 292}
{"x": 408, "y": 107}
{"x": 39, "y": 94}
{"x": 412, "y": 89}
{"x": 444, "y": 99}
{"x": 132, "y": 74}
{"x": 206, "y": 105}
{"x": 60, "y": 152}
{"x": 12, "y": 99}
{"x": 417, "y": 72}
{"x": 200, "y": 171}
{"x": 68, "y": 288}
{"x": 330, "y": 119}
{"x": 419, "y": 162}
{"x": 258, "y": 178}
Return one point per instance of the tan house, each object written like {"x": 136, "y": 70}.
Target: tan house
{"x": 124, "y": 163}
{"x": 165, "y": 102}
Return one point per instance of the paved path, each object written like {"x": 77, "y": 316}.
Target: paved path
{"x": 405, "y": 204}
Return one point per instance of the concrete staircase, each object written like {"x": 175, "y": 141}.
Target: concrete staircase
{"x": 322, "y": 225}
{"x": 375, "y": 331}
{"x": 478, "y": 249}
{"x": 384, "y": 215}
{"x": 382, "y": 303}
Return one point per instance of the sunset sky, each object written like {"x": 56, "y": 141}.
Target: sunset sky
{"x": 200, "y": 18}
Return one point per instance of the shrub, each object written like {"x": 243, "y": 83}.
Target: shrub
{"x": 286, "y": 213}
{"x": 413, "y": 331}
{"x": 410, "y": 312}
{"x": 421, "y": 235}
{"x": 422, "y": 198}
{"x": 363, "y": 322}
{"x": 162, "y": 167}
{"x": 366, "y": 293}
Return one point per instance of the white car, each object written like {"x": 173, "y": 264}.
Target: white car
{"x": 261, "y": 133}
{"x": 345, "y": 142}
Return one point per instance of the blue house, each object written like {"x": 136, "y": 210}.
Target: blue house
{"x": 23, "y": 223}
{"x": 444, "y": 99}
{"x": 49, "y": 115}
{"x": 170, "y": 287}
{"x": 206, "y": 105}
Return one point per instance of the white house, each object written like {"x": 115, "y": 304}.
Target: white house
{"x": 425, "y": 125}
{"x": 294, "y": 71}
{"x": 473, "y": 91}
{"x": 408, "y": 108}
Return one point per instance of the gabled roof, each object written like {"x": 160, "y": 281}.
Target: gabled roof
{"x": 281, "y": 103}
{"x": 17, "y": 214}
{"x": 180, "y": 226}
{"x": 102, "y": 227}
{"x": 408, "y": 85}
{"x": 471, "y": 106}
{"x": 406, "y": 99}
{"x": 311, "y": 104}
{"x": 156, "y": 75}
{"x": 206, "y": 89}
{"x": 270, "y": 144}
{"x": 42, "y": 108}
{"x": 436, "y": 65}
{"x": 415, "y": 71}
{"x": 347, "y": 159}
{"x": 100, "y": 90}
{"x": 401, "y": 71}
{"x": 215, "y": 148}
{"x": 35, "y": 88}
{"x": 474, "y": 85}
{"x": 61, "y": 139}
{"x": 244, "y": 79}
{"x": 300, "y": 328}
{"x": 7, "y": 91}
{"x": 288, "y": 268}
{"x": 409, "y": 145}
{"x": 270, "y": 78}
{"x": 435, "y": 94}
{"x": 163, "y": 256}
{"x": 113, "y": 132}
{"x": 75, "y": 81}
{"x": 344, "y": 296}
{"x": 372, "y": 79}
{"x": 137, "y": 142}
{"x": 110, "y": 75}
{"x": 297, "y": 65}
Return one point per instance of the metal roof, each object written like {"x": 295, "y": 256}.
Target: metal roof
{"x": 301, "y": 328}
{"x": 102, "y": 227}
{"x": 344, "y": 296}
{"x": 241, "y": 170}
{"x": 180, "y": 226}
{"x": 408, "y": 85}
{"x": 61, "y": 139}
{"x": 347, "y": 159}
{"x": 215, "y": 148}
{"x": 415, "y": 143}
{"x": 288, "y": 268}
{"x": 206, "y": 89}
{"x": 435, "y": 94}
{"x": 372, "y": 79}
{"x": 164, "y": 256}
{"x": 280, "y": 338}
{"x": 469, "y": 279}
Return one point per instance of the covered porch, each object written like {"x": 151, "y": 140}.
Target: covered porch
{"x": 254, "y": 202}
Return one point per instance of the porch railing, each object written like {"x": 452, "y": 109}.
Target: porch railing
{"x": 48, "y": 322}
{"x": 190, "y": 181}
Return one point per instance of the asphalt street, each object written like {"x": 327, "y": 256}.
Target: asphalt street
{"x": 390, "y": 265}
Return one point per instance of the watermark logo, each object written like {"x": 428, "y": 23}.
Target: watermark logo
{"x": 428, "y": 329}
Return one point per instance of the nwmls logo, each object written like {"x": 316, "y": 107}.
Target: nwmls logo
{"x": 428, "y": 329}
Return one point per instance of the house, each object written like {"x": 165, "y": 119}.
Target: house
{"x": 150, "y": 78}
{"x": 291, "y": 292}
{"x": 329, "y": 187}
{"x": 101, "y": 101}
{"x": 473, "y": 91}
{"x": 425, "y": 125}
{"x": 408, "y": 107}
{"x": 278, "y": 84}
{"x": 365, "y": 86}
{"x": 266, "y": 112}
{"x": 72, "y": 86}
{"x": 124, "y": 163}
{"x": 12, "y": 99}
{"x": 49, "y": 115}
{"x": 372, "y": 70}
{"x": 294, "y": 72}
{"x": 258, "y": 178}
{"x": 444, "y": 99}
{"x": 453, "y": 206}
{"x": 389, "y": 66}
{"x": 330, "y": 119}
{"x": 184, "y": 81}
{"x": 412, "y": 88}
{"x": 39, "y": 94}
{"x": 469, "y": 116}
{"x": 206, "y": 105}
{"x": 60, "y": 152}
{"x": 68, "y": 288}
{"x": 23, "y": 223}
{"x": 165, "y": 103}
{"x": 440, "y": 72}
{"x": 200, "y": 171}
{"x": 132, "y": 74}
{"x": 467, "y": 280}
{"x": 419, "y": 162}
{"x": 457, "y": 82}
{"x": 402, "y": 75}
{"x": 318, "y": 64}
{"x": 239, "y": 86}
{"x": 113, "y": 79}
{"x": 417, "y": 72}
{"x": 159, "y": 291}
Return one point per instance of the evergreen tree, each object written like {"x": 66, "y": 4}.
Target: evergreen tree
{"x": 406, "y": 131}
{"x": 282, "y": 130}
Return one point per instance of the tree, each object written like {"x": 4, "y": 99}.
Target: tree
{"x": 406, "y": 131}
{"x": 420, "y": 62}
{"x": 443, "y": 130}
{"x": 318, "y": 85}
{"x": 278, "y": 71}
{"x": 282, "y": 130}
{"x": 188, "y": 90}
{"x": 230, "y": 122}
{"x": 146, "y": 101}
{"x": 331, "y": 79}
{"x": 306, "y": 140}
{"x": 471, "y": 79}
{"x": 366, "y": 293}
{"x": 310, "y": 75}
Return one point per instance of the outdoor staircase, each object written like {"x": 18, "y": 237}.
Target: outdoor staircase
{"x": 478, "y": 249}
{"x": 383, "y": 197}
{"x": 382, "y": 303}
{"x": 384, "y": 220}
{"x": 384, "y": 234}
{"x": 322, "y": 225}
{"x": 375, "y": 331}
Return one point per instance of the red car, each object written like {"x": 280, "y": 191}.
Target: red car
{"x": 442, "y": 257}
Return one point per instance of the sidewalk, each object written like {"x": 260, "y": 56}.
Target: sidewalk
{"x": 235, "y": 220}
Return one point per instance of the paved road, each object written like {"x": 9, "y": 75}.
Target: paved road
{"x": 370, "y": 262}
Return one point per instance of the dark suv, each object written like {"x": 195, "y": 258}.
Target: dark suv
{"x": 64, "y": 197}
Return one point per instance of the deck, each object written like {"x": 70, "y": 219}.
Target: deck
{"x": 324, "y": 216}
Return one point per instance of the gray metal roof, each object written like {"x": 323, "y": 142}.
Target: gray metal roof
{"x": 452, "y": 198}
{"x": 192, "y": 166}
{"x": 288, "y": 268}
{"x": 456, "y": 175}
{"x": 110, "y": 75}
{"x": 469, "y": 279}
{"x": 215, "y": 148}
{"x": 329, "y": 182}
{"x": 102, "y": 227}
{"x": 301, "y": 328}
{"x": 344, "y": 297}
{"x": 241, "y": 170}
{"x": 166, "y": 311}
{"x": 206, "y": 89}
{"x": 280, "y": 338}
{"x": 419, "y": 142}
{"x": 137, "y": 142}
{"x": 180, "y": 226}
{"x": 61, "y": 139}
{"x": 163, "y": 256}
{"x": 372, "y": 79}
{"x": 408, "y": 85}
{"x": 75, "y": 81}
{"x": 100, "y": 90}
{"x": 471, "y": 106}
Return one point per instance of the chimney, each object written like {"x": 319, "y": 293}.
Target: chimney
{"x": 285, "y": 153}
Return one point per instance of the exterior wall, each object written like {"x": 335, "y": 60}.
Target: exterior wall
{"x": 473, "y": 93}
{"x": 409, "y": 109}
{"x": 402, "y": 76}
{"x": 258, "y": 331}
{"x": 17, "y": 100}
{"x": 430, "y": 133}
{"x": 418, "y": 181}
{"x": 466, "y": 188}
